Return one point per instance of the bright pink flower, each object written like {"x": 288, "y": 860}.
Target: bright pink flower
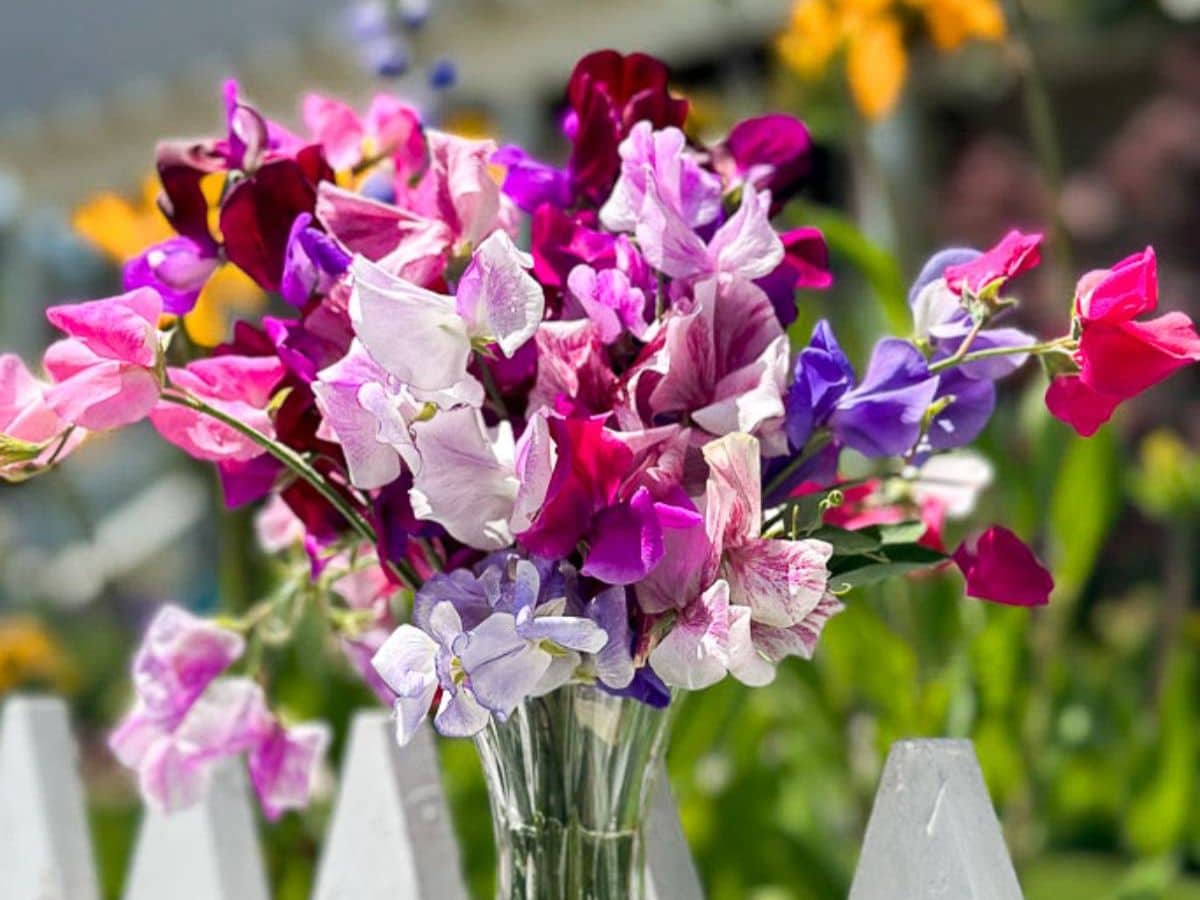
{"x": 240, "y": 386}
{"x": 1016, "y": 253}
{"x": 999, "y": 567}
{"x": 390, "y": 128}
{"x": 104, "y": 371}
{"x": 1118, "y": 357}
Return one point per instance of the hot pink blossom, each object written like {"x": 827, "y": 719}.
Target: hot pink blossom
{"x": 104, "y": 372}
{"x": 1016, "y": 253}
{"x": 239, "y": 386}
{"x": 999, "y": 567}
{"x": 1119, "y": 357}
{"x": 390, "y": 129}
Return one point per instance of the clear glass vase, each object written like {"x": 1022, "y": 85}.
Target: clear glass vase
{"x": 569, "y": 779}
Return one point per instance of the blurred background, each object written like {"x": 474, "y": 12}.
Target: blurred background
{"x": 937, "y": 122}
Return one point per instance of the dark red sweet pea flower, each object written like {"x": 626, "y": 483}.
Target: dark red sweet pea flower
{"x": 257, "y": 215}
{"x": 609, "y": 93}
{"x": 772, "y": 152}
{"x": 1118, "y": 357}
{"x": 999, "y": 567}
{"x": 182, "y": 167}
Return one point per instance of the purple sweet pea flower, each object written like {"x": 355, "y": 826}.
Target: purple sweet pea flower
{"x": 529, "y": 183}
{"x": 283, "y": 766}
{"x": 312, "y": 262}
{"x": 772, "y": 152}
{"x": 971, "y": 406}
{"x": 822, "y": 375}
{"x": 883, "y": 415}
{"x": 178, "y": 268}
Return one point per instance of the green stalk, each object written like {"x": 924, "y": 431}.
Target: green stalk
{"x": 990, "y": 352}
{"x": 300, "y": 466}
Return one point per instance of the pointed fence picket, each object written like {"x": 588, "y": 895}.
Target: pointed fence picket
{"x": 932, "y": 833}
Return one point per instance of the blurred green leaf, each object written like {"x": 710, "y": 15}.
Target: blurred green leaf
{"x": 1082, "y": 508}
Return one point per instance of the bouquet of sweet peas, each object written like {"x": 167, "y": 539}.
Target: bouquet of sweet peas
{"x": 497, "y": 471}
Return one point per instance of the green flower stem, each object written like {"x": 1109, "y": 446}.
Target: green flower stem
{"x": 814, "y": 446}
{"x": 300, "y": 466}
{"x": 990, "y": 352}
{"x": 963, "y": 348}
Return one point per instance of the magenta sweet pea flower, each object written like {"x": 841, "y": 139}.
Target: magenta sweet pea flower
{"x": 104, "y": 372}
{"x": 1119, "y": 357}
{"x": 771, "y": 152}
{"x": 312, "y": 262}
{"x": 239, "y": 386}
{"x": 999, "y": 567}
{"x": 1016, "y": 253}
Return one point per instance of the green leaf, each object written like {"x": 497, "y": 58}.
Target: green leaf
{"x": 847, "y": 543}
{"x": 888, "y": 562}
{"x": 901, "y": 532}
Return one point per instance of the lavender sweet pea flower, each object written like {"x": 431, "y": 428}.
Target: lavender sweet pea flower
{"x": 971, "y": 405}
{"x": 312, "y": 262}
{"x": 883, "y": 415}
{"x": 178, "y": 268}
{"x": 610, "y": 300}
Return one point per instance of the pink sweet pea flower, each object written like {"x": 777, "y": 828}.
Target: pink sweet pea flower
{"x": 1118, "y": 357}
{"x": 999, "y": 567}
{"x": 610, "y": 300}
{"x": 283, "y": 765}
{"x": 390, "y": 128}
{"x": 1016, "y": 253}
{"x": 26, "y": 416}
{"x": 240, "y": 386}
{"x": 104, "y": 372}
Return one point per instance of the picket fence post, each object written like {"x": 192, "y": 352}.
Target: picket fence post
{"x": 391, "y": 834}
{"x": 933, "y": 833}
{"x": 209, "y": 851}
{"x": 45, "y": 847}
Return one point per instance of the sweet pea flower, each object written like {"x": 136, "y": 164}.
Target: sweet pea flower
{"x": 805, "y": 265}
{"x": 365, "y": 411}
{"x": 425, "y": 339}
{"x": 573, "y": 370}
{"x": 990, "y": 271}
{"x": 610, "y": 300}
{"x": 723, "y": 361}
{"x": 745, "y": 246}
{"x": 530, "y": 183}
{"x": 104, "y": 372}
{"x": 692, "y": 193}
{"x": 1119, "y": 357}
{"x": 608, "y": 94}
{"x": 883, "y": 415}
{"x": 283, "y": 765}
{"x": 772, "y": 153}
{"x": 780, "y": 581}
{"x": 239, "y": 386}
{"x": 390, "y": 129}
{"x": 312, "y": 262}
{"x": 29, "y": 429}
{"x": 177, "y": 268}
{"x": 999, "y": 567}
{"x": 477, "y": 672}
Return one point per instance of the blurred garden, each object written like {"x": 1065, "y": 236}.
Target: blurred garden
{"x": 935, "y": 123}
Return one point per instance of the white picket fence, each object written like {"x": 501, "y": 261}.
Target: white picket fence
{"x": 933, "y": 834}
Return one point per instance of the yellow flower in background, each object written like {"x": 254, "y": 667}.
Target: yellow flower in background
{"x": 872, "y": 35}
{"x": 121, "y": 229}
{"x": 29, "y": 654}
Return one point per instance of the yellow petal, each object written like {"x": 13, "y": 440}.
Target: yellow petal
{"x": 812, "y": 37}
{"x": 228, "y": 291}
{"x": 953, "y": 22}
{"x": 117, "y": 228}
{"x": 876, "y": 66}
